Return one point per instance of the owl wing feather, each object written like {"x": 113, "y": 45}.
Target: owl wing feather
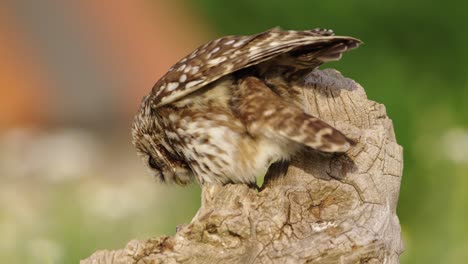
{"x": 232, "y": 53}
{"x": 264, "y": 112}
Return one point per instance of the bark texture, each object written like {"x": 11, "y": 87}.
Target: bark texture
{"x": 326, "y": 209}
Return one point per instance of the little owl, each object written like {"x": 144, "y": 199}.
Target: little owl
{"x": 232, "y": 107}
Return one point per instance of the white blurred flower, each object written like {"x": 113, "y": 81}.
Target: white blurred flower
{"x": 455, "y": 145}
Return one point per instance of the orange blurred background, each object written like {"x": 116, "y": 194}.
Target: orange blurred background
{"x": 87, "y": 62}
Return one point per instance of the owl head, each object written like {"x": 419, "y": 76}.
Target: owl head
{"x": 149, "y": 138}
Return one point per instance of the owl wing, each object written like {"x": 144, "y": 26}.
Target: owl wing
{"x": 264, "y": 112}
{"x": 229, "y": 54}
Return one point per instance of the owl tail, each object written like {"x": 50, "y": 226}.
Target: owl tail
{"x": 267, "y": 114}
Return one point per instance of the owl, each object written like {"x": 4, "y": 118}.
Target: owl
{"x": 231, "y": 108}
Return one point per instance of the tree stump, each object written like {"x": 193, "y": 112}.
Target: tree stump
{"x": 327, "y": 208}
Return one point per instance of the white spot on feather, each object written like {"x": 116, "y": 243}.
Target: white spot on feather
{"x": 161, "y": 88}
{"x": 192, "y": 83}
{"x": 274, "y": 43}
{"x": 183, "y": 78}
{"x": 194, "y": 53}
{"x": 239, "y": 43}
{"x": 182, "y": 67}
{"x": 173, "y": 118}
{"x": 217, "y": 60}
{"x": 215, "y": 50}
{"x": 172, "y": 86}
{"x": 230, "y": 42}
{"x": 195, "y": 69}
{"x": 268, "y": 113}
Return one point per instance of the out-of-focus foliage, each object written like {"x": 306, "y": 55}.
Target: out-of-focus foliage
{"x": 415, "y": 61}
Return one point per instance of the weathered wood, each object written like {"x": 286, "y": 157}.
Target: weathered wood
{"x": 326, "y": 209}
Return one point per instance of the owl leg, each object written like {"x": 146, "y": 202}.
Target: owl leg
{"x": 264, "y": 113}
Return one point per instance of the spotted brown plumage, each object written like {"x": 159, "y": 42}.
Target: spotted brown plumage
{"x": 223, "y": 56}
{"x": 232, "y": 107}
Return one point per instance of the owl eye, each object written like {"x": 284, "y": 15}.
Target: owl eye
{"x": 153, "y": 164}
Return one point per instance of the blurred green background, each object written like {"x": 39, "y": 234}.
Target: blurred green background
{"x": 73, "y": 75}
